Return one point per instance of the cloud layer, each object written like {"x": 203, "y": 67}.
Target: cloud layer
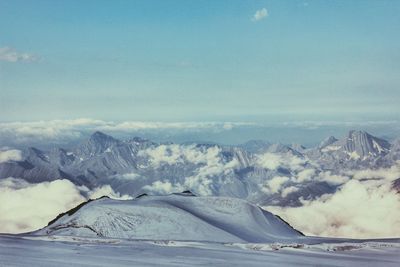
{"x": 365, "y": 206}
{"x": 67, "y": 130}
{"x": 26, "y": 207}
{"x": 60, "y": 132}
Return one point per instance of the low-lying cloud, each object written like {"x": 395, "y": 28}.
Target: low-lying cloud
{"x": 273, "y": 161}
{"x": 26, "y": 207}
{"x": 164, "y": 187}
{"x": 106, "y": 190}
{"x": 365, "y": 206}
{"x": 10, "y": 155}
{"x": 209, "y": 169}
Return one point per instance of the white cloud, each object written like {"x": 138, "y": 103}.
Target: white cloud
{"x": 273, "y": 161}
{"x": 270, "y": 161}
{"x": 366, "y": 209}
{"x": 61, "y": 130}
{"x": 9, "y": 54}
{"x": 175, "y": 154}
{"x": 353, "y": 124}
{"x": 106, "y": 190}
{"x": 26, "y": 207}
{"x": 334, "y": 179}
{"x": 295, "y": 163}
{"x": 288, "y": 190}
{"x": 128, "y": 176}
{"x": 389, "y": 174}
{"x": 228, "y": 125}
{"x": 168, "y": 154}
{"x": 143, "y": 125}
{"x": 10, "y": 154}
{"x": 212, "y": 168}
{"x": 212, "y": 173}
{"x": 46, "y": 130}
{"x": 275, "y": 184}
{"x": 305, "y": 175}
{"x": 164, "y": 187}
{"x": 260, "y": 14}
{"x": 198, "y": 156}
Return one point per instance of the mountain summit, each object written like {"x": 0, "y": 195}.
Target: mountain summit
{"x": 96, "y": 144}
{"x": 361, "y": 144}
{"x": 173, "y": 217}
{"x": 355, "y": 149}
{"x": 327, "y": 141}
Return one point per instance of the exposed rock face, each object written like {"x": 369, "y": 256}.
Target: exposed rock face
{"x": 326, "y": 142}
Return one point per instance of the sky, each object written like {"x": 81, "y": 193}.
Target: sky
{"x": 202, "y": 60}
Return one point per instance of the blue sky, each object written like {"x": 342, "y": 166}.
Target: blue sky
{"x": 199, "y": 60}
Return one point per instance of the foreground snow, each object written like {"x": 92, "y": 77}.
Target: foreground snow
{"x": 28, "y": 250}
{"x": 184, "y": 230}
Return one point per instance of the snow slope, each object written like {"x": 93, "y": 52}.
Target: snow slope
{"x": 173, "y": 217}
{"x": 27, "y": 251}
{"x": 184, "y": 230}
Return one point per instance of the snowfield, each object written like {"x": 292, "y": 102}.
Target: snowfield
{"x": 184, "y": 230}
{"x": 22, "y": 250}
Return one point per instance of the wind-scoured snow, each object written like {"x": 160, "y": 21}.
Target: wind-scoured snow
{"x": 27, "y": 251}
{"x": 184, "y": 230}
{"x": 174, "y": 217}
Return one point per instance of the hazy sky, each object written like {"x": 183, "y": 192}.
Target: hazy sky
{"x": 199, "y": 60}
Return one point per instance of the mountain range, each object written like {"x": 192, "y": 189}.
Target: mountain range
{"x": 261, "y": 172}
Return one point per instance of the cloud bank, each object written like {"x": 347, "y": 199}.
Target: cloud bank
{"x": 365, "y": 206}
{"x": 26, "y": 207}
{"x": 67, "y": 130}
{"x": 60, "y": 132}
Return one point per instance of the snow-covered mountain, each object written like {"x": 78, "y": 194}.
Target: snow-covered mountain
{"x": 263, "y": 173}
{"x": 173, "y": 217}
{"x": 357, "y": 149}
{"x": 327, "y": 142}
{"x": 356, "y": 145}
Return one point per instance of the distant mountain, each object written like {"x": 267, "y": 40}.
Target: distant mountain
{"x": 327, "y": 142}
{"x": 97, "y": 143}
{"x": 255, "y": 146}
{"x": 135, "y": 166}
{"x": 359, "y": 144}
{"x": 357, "y": 149}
